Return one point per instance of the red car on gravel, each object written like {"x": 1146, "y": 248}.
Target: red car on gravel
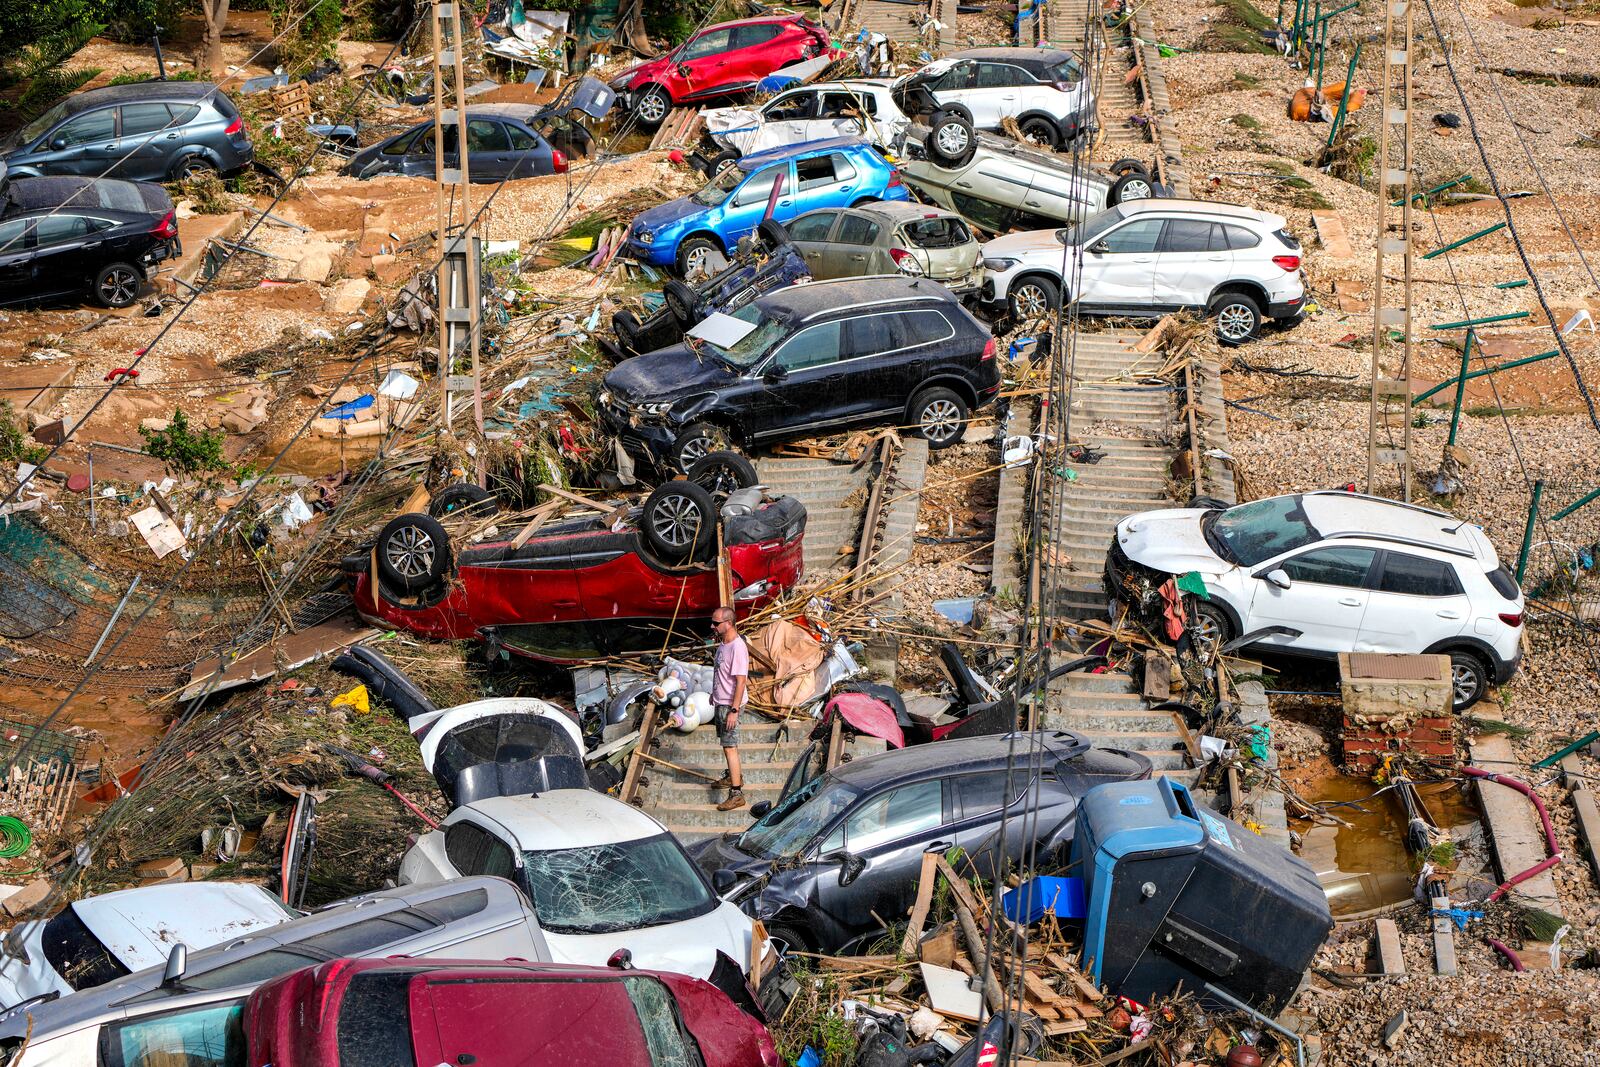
{"x": 581, "y": 589}
{"x": 399, "y": 1012}
{"x": 720, "y": 61}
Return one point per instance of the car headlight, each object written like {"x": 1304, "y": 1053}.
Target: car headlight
{"x": 645, "y": 237}
{"x": 655, "y": 409}
{"x": 1000, "y": 264}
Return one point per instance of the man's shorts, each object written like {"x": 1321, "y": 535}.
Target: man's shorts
{"x": 728, "y": 736}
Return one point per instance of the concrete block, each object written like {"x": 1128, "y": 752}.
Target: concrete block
{"x": 346, "y": 297}
{"x": 28, "y": 897}
{"x": 1391, "y": 960}
{"x": 163, "y": 868}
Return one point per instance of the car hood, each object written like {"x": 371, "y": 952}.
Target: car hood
{"x": 689, "y": 947}
{"x": 653, "y": 219}
{"x": 1016, "y": 244}
{"x": 21, "y": 981}
{"x": 720, "y": 854}
{"x": 1170, "y": 541}
{"x": 667, "y": 373}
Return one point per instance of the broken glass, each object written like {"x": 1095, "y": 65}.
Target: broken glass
{"x": 625, "y": 885}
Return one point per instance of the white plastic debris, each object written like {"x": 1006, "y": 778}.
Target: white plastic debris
{"x": 924, "y": 1023}
{"x": 399, "y": 385}
{"x": 296, "y": 513}
{"x": 1018, "y": 451}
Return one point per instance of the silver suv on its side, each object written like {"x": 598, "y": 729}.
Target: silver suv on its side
{"x": 190, "y": 1011}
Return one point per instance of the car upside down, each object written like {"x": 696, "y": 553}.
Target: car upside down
{"x": 582, "y": 589}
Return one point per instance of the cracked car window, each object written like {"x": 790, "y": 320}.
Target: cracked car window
{"x": 663, "y": 1033}
{"x": 622, "y": 886}
{"x": 1262, "y": 529}
{"x": 797, "y": 819}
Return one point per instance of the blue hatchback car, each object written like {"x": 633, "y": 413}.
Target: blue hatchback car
{"x": 837, "y": 172}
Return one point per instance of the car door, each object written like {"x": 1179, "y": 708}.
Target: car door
{"x": 804, "y": 386}
{"x": 955, "y": 85}
{"x": 530, "y": 155}
{"x": 1415, "y": 602}
{"x": 203, "y": 1035}
{"x": 998, "y": 93}
{"x": 703, "y": 61}
{"x": 150, "y": 141}
{"x": 979, "y": 798}
{"x": 472, "y": 850}
{"x": 419, "y": 159}
{"x": 16, "y": 268}
{"x": 848, "y": 112}
{"x": 810, "y": 234}
{"x": 1327, "y": 597}
{"x": 885, "y": 835}
{"x": 850, "y": 252}
{"x": 747, "y": 206}
{"x": 62, "y": 259}
{"x": 1119, "y": 269}
{"x": 1193, "y": 258}
{"x": 85, "y": 144}
{"x": 749, "y": 58}
{"x": 825, "y": 181}
{"x": 901, "y": 347}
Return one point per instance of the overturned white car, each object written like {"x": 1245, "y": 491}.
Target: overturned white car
{"x": 858, "y": 107}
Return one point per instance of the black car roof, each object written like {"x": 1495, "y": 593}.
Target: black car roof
{"x": 990, "y": 752}
{"x": 803, "y": 301}
{"x": 139, "y": 91}
{"x": 84, "y": 194}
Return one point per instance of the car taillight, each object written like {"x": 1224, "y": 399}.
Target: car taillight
{"x": 1511, "y": 618}
{"x": 894, "y": 180}
{"x": 1289, "y": 263}
{"x": 988, "y": 351}
{"x": 236, "y": 126}
{"x": 167, "y": 228}
{"x": 905, "y": 261}
{"x": 558, "y": 160}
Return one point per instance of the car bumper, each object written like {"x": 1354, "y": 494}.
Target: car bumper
{"x": 657, "y": 254}
{"x": 1506, "y": 669}
{"x": 1286, "y": 310}
{"x": 649, "y": 441}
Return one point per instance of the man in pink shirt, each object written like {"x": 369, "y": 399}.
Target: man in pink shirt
{"x": 730, "y": 687}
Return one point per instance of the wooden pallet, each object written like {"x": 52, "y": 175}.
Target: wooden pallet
{"x": 292, "y": 101}
{"x": 680, "y": 129}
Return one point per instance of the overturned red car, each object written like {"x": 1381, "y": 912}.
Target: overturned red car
{"x": 389, "y": 1012}
{"x": 582, "y": 589}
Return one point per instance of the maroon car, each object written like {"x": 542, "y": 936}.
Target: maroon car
{"x": 401, "y": 1012}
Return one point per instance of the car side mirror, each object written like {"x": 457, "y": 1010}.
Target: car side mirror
{"x": 850, "y": 868}
{"x": 723, "y": 880}
{"x": 177, "y": 963}
{"x": 58, "y": 144}
{"x": 760, "y": 808}
{"x": 1278, "y": 577}
{"x": 620, "y": 960}
{"x": 774, "y": 374}
{"x": 1099, "y": 248}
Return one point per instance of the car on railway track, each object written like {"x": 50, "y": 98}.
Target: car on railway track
{"x": 1042, "y": 90}
{"x": 890, "y": 238}
{"x": 858, "y": 107}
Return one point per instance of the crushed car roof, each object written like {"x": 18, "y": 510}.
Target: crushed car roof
{"x": 567, "y": 818}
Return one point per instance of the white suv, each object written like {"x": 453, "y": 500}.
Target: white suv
{"x": 859, "y": 107}
{"x": 1145, "y": 258}
{"x": 1043, "y": 89}
{"x": 1327, "y": 572}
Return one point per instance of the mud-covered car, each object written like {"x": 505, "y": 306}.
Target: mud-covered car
{"x": 763, "y": 262}
{"x": 586, "y": 587}
{"x": 890, "y": 238}
{"x": 1001, "y": 185}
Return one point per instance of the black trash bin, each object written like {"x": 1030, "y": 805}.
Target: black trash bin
{"x": 1181, "y": 896}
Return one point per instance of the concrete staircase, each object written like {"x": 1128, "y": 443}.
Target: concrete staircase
{"x": 688, "y": 805}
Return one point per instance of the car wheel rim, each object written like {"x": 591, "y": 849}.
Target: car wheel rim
{"x": 651, "y": 108}
{"x": 1235, "y": 322}
{"x": 1207, "y": 636}
{"x": 724, "y": 165}
{"x": 940, "y": 420}
{"x": 1136, "y": 190}
{"x": 695, "y": 260}
{"x": 694, "y": 450}
{"x": 1031, "y": 301}
{"x": 677, "y": 521}
{"x": 410, "y": 552}
{"x": 952, "y": 140}
{"x": 119, "y": 286}
{"x": 1465, "y": 682}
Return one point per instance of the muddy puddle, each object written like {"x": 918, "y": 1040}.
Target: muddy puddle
{"x": 1366, "y": 865}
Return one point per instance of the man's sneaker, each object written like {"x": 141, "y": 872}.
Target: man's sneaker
{"x": 725, "y": 782}
{"x": 735, "y": 800}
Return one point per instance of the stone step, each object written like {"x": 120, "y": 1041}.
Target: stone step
{"x": 1087, "y": 682}
{"x": 701, "y": 819}
{"x": 762, "y": 773}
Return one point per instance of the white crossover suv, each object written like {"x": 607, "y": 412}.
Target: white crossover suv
{"x": 1326, "y": 572}
{"x": 1146, "y": 258}
{"x": 1043, "y": 89}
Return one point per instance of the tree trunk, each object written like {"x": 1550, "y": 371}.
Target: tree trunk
{"x": 215, "y": 13}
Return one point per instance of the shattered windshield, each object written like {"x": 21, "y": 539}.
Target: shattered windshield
{"x": 753, "y": 347}
{"x": 622, "y": 886}
{"x": 797, "y": 819}
{"x": 719, "y": 188}
{"x": 1259, "y": 530}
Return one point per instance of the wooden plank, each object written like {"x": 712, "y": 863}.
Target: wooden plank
{"x": 1039, "y": 989}
{"x": 919, "y": 910}
{"x": 758, "y": 947}
{"x": 541, "y": 515}
{"x": 556, "y": 490}
{"x": 1157, "y": 677}
{"x": 647, "y": 732}
{"x": 959, "y": 886}
{"x": 1331, "y": 234}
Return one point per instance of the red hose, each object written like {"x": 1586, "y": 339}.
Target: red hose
{"x": 424, "y": 816}
{"x": 1505, "y": 950}
{"x": 1544, "y": 817}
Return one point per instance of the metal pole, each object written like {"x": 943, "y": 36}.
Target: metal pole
{"x": 1575, "y": 505}
{"x": 115, "y": 615}
{"x": 1524, "y": 361}
{"x": 1461, "y": 389}
{"x": 92, "y": 525}
{"x": 1344, "y": 97}
{"x": 442, "y": 221}
{"x": 161, "y": 65}
{"x": 1527, "y": 532}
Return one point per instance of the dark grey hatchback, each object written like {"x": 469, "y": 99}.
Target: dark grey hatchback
{"x": 153, "y": 131}
{"x": 817, "y": 865}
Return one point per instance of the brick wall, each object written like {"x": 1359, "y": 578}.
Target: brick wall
{"x": 1366, "y": 743}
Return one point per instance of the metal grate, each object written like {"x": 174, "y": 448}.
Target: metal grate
{"x": 29, "y": 606}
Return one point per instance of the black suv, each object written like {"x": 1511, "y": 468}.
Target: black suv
{"x": 808, "y": 359}
{"x": 63, "y": 236}
{"x": 815, "y": 866}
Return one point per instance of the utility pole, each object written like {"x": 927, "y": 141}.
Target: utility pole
{"x": 1390, "y": 413}
{"x": 459, "y": 312}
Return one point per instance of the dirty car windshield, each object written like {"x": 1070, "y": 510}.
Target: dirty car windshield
{"x": 719, "y": 188}
{"x": 799, "y": 817}
{"x": 1259, "y": 530}
{"x": 37, "y": 127}
{"x": 622, "y": 886}
{"x": 755, "y": 345}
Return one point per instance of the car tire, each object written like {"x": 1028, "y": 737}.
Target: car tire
{"x": 773, "y": 234}
{"x": 463, "y": 497}
{"x": 117, "y": 285}
{"x": 940, "y": 417}
{"x": 413, "y": 552}
{"x": 192, "y": 166}
{"x": 1238, "y": 318}
{"x": 1469, "y": 680}
{"x": 681, "y": 300}
{"x": 1033, "y": 296}
{"x": 723, "y": 472}
{"x": 693, "y": 255}
{"x": 1128, "y": 165}
{"x": 721, "y": 162}
{"x": 1040, "y": 129}
{"x": 679, "y": 522}
{"x": 697, "y": 441}
{"x": 864, "y": 201}
{"x": 1132, "y": 186}
{"x": 625, "y": 324}
{"x": 790, "y": 937}
{"x": 1212, "y": 628}
{"x": 951, "y": 141}
{"x": 653, "y": 107}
